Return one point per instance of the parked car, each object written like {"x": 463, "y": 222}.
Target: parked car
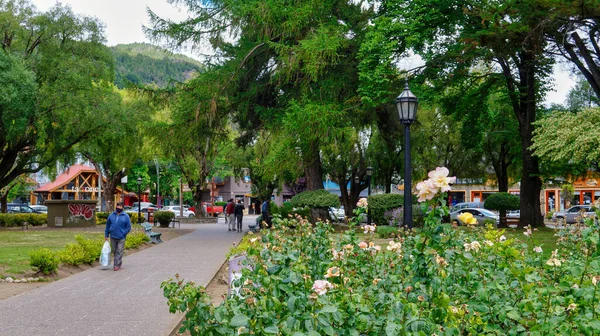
{"x": 337, "y": 214}
{"x": 214, "y": 210}
{"x": 513, "y": 216}
{"x": 144, "y": 205}
{"x": 19, "y": 208}
{"x": 464, "y": 205}
{"x": 478, "y": 213}
{"x": 176, "y": 210}
{"x": 40, "y": 208}
{"x": 572, "y": 214}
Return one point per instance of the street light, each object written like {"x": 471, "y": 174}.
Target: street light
{"x": 139, "y": 182}
{"x": 369, "y": 173}
{"x": 406, "y": 104}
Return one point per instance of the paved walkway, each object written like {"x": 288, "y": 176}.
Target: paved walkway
{"x": 127, "y": 302}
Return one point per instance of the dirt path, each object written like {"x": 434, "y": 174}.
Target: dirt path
{"x": 11, "y": 289}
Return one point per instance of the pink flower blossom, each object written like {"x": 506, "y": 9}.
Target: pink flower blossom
{"x": 439, "y": 178}
{"x": 321, "y": 286}
{"x": 426, "y": 190}
{"x": 363, "y": 245}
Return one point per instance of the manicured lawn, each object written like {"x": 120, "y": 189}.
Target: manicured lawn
{"x": 15, "y": 246}
{"x": 543, "y": 237}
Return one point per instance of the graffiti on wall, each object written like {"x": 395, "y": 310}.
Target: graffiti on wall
{"x": 82, "y": 210}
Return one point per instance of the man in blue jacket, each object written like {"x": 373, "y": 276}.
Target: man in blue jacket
{"x": 118, "y": 226}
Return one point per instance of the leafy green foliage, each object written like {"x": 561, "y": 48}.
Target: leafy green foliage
{"x": 101, "y": 217}
{"x": 164, "y": 217}
{"x": 135, "y": 239}
{"x": 8, "y": 220}
{"x": 379, "y": 204}
{"x": 315, "y": 199}
{"x": 56, "y": 86}
{"x": 44, "y": 260}
{"x": 416, "y": 285}
{"x": 384, "y": 232}
{"x": 569, "y": 138}
{"x": 84, "y": 251}
{"x": 502, "y": 201}
{"x": 288, "y": 209}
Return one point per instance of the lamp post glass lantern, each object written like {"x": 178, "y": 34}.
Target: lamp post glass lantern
{"x": 406, "y": 104}
{"x": 139, "y": 182}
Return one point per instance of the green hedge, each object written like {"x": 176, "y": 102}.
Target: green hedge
{"x": 11, "y": 220}
{"x": 379, "y": 204}
{"x": 288, "y": 209}
{"x": 164, "y": 217}
{"x": 315, "y": 199}
{"x": 502, "y": 201}
{"x": 220, "y": 203}
{"x": 101, "y": 217}
{"x": 83, "y": 251}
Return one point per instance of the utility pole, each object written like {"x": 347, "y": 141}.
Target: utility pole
{"x": 157, "y": 183}
{"x": 180, "y": 197}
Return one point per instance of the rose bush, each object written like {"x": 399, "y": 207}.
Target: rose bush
{"x": 437, "y": 280}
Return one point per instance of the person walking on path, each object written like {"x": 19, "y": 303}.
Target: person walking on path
{"x": 265, "y": 213}
{"x": 225, "y": 212}
{"x": 229, "y": 214}
{"x": 239, "y": 214}
{"x": 118, "y": 226}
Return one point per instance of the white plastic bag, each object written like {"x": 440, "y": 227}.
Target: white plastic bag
{"x": 105, "y": 254}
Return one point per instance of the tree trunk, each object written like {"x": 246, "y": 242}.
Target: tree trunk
{"x": 4, "y": 203}
{"x": 523, "y": 98}
{"x": 109, "y": 195}
{"x": 197, "y": 192}
{"x": 531, "y": 184}
{"x": 314, "y": 171}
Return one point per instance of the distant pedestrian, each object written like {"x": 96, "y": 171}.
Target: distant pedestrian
{"x": 225, "y": 212}
{"x": 118, "y": 226}
{"x": 239, "y": 214}
{"x": 229, "y": 214}
{"x": 265, "y": 211}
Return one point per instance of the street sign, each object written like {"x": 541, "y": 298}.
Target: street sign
{"x": 124, "y": 179}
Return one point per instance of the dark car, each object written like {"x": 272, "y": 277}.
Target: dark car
{"x": 20, "y": 208}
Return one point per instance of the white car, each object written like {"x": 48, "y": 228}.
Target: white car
{"x": 40, "y": 208}
{"x": 176, "y": 210}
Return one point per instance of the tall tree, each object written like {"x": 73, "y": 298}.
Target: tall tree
{"x": 454, "y": 37}
{"x": 574, "y": 28}
{"x": 55, "y": 77}
{"x": 115, "y": 149}
{"x": 291, "y": 66}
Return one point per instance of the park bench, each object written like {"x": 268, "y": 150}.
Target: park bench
{"x": 154, "y": 236}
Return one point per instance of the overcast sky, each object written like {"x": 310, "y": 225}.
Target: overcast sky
{"x": 124, "y": 20}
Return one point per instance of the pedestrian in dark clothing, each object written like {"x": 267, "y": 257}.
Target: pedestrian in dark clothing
{"x": 265, "y": 213}
{"x": 239, "y": 214}
{"x": 118, "y": 226}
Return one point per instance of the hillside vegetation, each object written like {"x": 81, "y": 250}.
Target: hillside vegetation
{"x": 142, "y": 63}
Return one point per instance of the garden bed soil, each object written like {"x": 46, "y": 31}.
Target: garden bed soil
{"x": 11, "y": 289}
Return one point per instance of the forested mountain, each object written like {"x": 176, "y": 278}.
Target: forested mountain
{"x": 143, "y": 63}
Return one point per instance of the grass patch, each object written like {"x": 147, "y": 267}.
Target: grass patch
{"x": 543, "y": 237}
{"x": 16, "y": 245}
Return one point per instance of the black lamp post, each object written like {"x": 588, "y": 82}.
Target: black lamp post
{"x": 369, "y": 173}
{"x": 139, "y": 182}
{"x": 406, "y": 104}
